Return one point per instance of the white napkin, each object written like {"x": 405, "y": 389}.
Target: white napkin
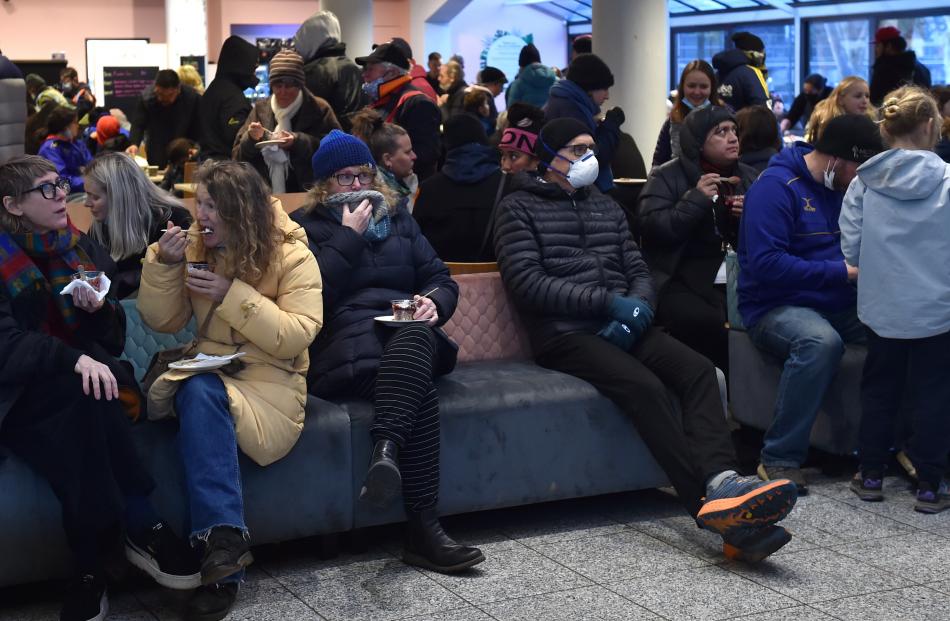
{"x": 104, "y": 284}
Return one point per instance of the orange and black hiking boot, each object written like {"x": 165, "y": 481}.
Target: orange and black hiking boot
{"x": 740, "y": 503}
{"x": 751, "y": 545}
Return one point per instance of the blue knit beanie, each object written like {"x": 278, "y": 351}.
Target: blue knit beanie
{"x": 339, "y": 150}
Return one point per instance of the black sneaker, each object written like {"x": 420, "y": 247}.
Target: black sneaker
{"x": 932, "y": 500}
{"x": 165, "y": 557}
{"x": 86, "y": 600}
{"x": 211, "y": 602}
{"x": 869, "y": 486}
{"x": 226, "y": 553}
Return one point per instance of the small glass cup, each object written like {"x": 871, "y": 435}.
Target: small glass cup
{"x": 403, "y": 310}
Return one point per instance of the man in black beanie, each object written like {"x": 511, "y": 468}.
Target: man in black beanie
{"x": 568, "y": 260}
{"x": 742, "y": 73}
{"x": 580, "y": 97}
{"x": 796, "y": 293}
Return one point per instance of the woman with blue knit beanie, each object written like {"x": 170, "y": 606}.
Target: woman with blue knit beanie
{"x": 371, "y": 252}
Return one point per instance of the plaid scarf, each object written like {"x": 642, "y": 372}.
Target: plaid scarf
{"x": 20, "y": 273}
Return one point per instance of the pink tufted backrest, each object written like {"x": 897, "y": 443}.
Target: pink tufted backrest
{"x": 486, "y": 325}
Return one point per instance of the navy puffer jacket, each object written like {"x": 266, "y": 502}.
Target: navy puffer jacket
{"x": 564, "y": 258}
{"x": 360, "y": 279}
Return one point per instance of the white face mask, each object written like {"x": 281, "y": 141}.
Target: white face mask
{"x": 583, "y": 171}
{"x": 829, "y": 175}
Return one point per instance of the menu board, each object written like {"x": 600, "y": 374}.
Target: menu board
{"x": 122, "y": 86}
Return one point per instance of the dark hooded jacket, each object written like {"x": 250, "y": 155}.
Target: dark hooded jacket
{"x": 360, "y": 279}
{"x": 161, "y": 124}
{"x": 892, "y": 72}
{"x": 564, "y": 257}
{"x": 804, "y": 105}
{"x": 336, "y": 78}
{"x": 739, "y": 85}
{"x": 224, "y": 108}
{"x": 682, "y": 230}
{"x": 454, "y": 206}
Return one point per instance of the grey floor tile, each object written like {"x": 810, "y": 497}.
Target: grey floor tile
{"x": 30, "y": 612}
{"x": 818, "y": 575}
{"x": 919, "y": 556}
{"x": 910, "y": 604}
{"x": 899, "y": 506}
{"x": 705, "y": 593}
{"x": 618, "y": 556}
{"x": 681, "y": 533}
{"x": 468, "y": 613}
{"x": 824, "y": 522}
{"x": 562, "y": 525}
{"x": 391, "y": 593}
{"x": 943, "y": 586}
{"x": 641, "y": 506}
{"x": 122, "y": 606}
{"x": 796, "y": 613}
{"x": 299, "y": 570}
{"x": 509, "y": 574}
{"x": 585, "y": 604}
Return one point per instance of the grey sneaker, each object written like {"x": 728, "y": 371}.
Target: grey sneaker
{"x": 795, "y": 475}
{"x": 869, "y": 486}
{"x": 930, "y": 500}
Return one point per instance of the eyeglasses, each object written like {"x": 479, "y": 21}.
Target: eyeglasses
{"x": 580, "y": 150}
{"x": 347, "y": 179}
{"x": 48, "y": 189}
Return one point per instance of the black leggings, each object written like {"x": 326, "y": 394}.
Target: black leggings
{"x": 698, "y": 321}
{"x": 407, "y": 411}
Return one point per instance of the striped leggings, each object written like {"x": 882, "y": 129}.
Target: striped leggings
{"x": 407, "y": 411}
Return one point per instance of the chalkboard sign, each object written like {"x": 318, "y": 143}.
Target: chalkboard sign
{"x": 122, "y": 86}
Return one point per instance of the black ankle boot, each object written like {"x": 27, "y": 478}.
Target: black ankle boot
{"x": 428, "y": 546}
{"x": 383, "y": 481}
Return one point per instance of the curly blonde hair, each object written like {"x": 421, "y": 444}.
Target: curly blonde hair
{"x": 318, "y": 194}
{"x": 243, "y": 203}
{"x": 832, "y": 107}
{"x": 905, "y": 109}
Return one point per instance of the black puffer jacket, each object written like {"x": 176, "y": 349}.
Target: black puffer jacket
{"x": 224, "y": 108}
{"x": 564, "y": 258}
{"x": 336, "y": 78}
{"x": 360, "y": 279}
{"x": 673, "y": 216}
{"x": 739, "y": 86}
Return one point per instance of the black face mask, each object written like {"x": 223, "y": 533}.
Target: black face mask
{"x": 68, "y": 89}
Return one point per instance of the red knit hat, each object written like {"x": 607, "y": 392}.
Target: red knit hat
{"x": 106, "y": 127}
{"x": 885, "y": 34}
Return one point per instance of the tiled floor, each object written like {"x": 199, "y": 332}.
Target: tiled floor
{"x": 627, "y": 557}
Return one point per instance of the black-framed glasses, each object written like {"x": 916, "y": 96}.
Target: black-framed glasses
{"x": 581, "y": 149}
{"x": 48, "y": 189}
{"x": 347, "y": 179}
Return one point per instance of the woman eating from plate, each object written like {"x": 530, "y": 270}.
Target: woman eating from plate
{"x": 259, "y": 295}
{"x": 371, "y": 252}
{"x": 60, "y": 384}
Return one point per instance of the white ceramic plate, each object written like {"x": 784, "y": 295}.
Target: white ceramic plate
{"x": 203, "y": 362}
{"x": 389, "y": 321}
{"x": 267, "y": 143}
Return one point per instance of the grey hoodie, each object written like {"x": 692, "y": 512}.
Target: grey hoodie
{"x": 895, "y": 227}
{"x": 322, "y": 29}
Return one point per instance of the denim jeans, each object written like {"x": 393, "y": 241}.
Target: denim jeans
{"x": 811, "y": 343}
{"x": 209, "y": 452}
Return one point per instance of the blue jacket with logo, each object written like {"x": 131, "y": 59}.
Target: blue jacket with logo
{"x": 790, "y": 243}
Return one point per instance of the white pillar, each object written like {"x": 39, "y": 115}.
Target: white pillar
{"x": 186, "y": 30}
{"x": 356, "y": 24}
{"x": 633, "y": 39}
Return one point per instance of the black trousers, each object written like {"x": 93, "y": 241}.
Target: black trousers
{"x": 83, "y": 448}
{"x": 690, "y": 448}
{"x": 406, "y": 408}
{"x": 920, "y": 369}
{"x": 696, "y": 320}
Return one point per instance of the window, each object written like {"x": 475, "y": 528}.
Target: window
{"x": 779, "y": 39}
{"x": 837, "y": 49}
{"x": 929, "y": 38}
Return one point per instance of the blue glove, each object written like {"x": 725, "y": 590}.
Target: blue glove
{"x": 632, "y": 311}
{"x": 618, "y": 334}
